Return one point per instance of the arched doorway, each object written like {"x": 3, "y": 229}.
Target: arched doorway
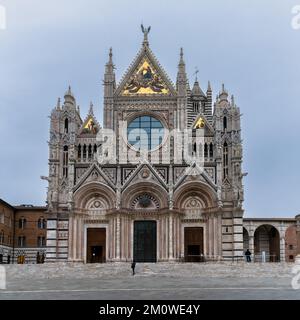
{"x": 202, "y": 228}
{"x": 89, "y": 237}
{"x": 245, "y": 239}
{"x": 266, "y": 244}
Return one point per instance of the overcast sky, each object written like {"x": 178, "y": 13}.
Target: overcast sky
{"x": 248, "y": 45}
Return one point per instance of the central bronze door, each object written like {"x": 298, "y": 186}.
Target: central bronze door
{"x": 144, "y": 241}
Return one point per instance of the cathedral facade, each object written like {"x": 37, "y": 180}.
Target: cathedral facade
{"x": 160, "y": 181}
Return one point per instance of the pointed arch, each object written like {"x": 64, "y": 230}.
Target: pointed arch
{"x": 66, "y": 125}
{"x": 224, "y": 123}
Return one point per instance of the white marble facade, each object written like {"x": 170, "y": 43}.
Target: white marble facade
{"x": 93, "y": 186}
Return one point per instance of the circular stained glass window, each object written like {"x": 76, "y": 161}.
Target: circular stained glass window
{"x": 145, "y": 133}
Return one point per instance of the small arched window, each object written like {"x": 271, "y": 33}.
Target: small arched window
{"x": 22, "y": 241}
{"x": 66, "y": 125}
{"x": 84, "y": 152}
{"x": 41, "y": 241}
{"x": 225, "y": 160}
{"x": 194, "y": 147}
{"x": 205, "y": 150}
{"x": 211, "y": 150}
{"x": 225, "y": 123}
{"x": 42, "y": 223}
{"x": 79, "y": 151}
{"x": 65, "y": 161}
{"x": 196, "y": 106}
{"x": 90, "y": 152}
{"x": 1, "y": 237}
{"x": 22, "y": 223}
{"x": 2, "y": 217}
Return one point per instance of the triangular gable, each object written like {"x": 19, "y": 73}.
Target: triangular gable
{"x": 145, "y": 172}
{"x": 201, "y": 122}
{"x": 192, "y": 173}
{"x": 145, "y": 76}
{"x": 94, "y": 174}
{"x": 90, "y": 125}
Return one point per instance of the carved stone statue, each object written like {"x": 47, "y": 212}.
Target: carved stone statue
{"x": 145, "y": 32}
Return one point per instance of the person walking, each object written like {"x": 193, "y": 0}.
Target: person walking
{"x": 133, "y": 267}
{"x": 248, "y": 255}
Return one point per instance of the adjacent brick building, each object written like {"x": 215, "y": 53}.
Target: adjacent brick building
{"x": 22, "y": 233}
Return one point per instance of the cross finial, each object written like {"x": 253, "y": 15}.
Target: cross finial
{"x": 196, "y": 73}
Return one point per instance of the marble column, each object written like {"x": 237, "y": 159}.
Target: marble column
{"x": 216, "y": 236}
{"x": 282, "y": 248}
{"x": 70, "y": 242}
{"x": 170, "y": 237}
{"x": 251, "y": 246}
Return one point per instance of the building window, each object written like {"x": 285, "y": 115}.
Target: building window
{"x": 65, "y": 161}
{"x": 41, "y": 241}
{"x": 196, "y": 106}
{"x": 211, "y": 150}
{"x": 2, "y": 214}
{"x": 42, "y": 223}
{"x": 90, "y": 152}
{"x": 84, "y": 152}
{"x": 66, "y": 125}
{"x": 291, "y": 247}
{"x": 225, "y": 160}
{"x": 1, "y": 258}
{"x": 22, "y": 223}
{"x": 22, "y": 241}
{"x": 145, "y": 133}
{"x": 205, "y": 150}
{"x": 1, "y": 237}
{"x": 291, "y": 257}
{"x": 79, "y": 152}
{"x": 225, "y": 123}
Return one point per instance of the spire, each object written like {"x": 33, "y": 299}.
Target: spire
{"x": 224, "y": 94}
{"x": 110, "y": 55}
{"x": 196, "y": 91}
{"x": 182, "y": 82}
{"x": 69, "y": 98}
{"x": 69, "y": 92}
{"x": 181, "y": 64}
{"x": 232, "y": 101}
{"x": 109, "y": 68}
{"x": 181, "y": 61}
{"x": 145, "y": 32}
{"x": 91, "y": 111}
{"x": 208, "y": 87}
{"x": 58, "y": 104}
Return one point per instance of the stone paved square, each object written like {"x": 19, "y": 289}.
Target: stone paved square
{"x": 185, "y": 281}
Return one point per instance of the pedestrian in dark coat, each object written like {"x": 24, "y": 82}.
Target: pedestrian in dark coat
{"x": 248, "y": 255}
{"x": 133, "y": 267}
